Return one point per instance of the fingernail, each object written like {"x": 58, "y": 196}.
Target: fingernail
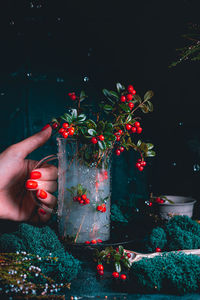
{"x": 42, "y": 211}
{"x": 45, "y": 127}
{"x": 31, "y": 184}
{"x": 41, "y": 194}
{"x": 35, "y": 175}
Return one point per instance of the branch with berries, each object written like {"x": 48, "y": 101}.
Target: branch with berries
{"x": 115, "y": 130}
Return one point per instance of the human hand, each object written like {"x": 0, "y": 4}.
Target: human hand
{"x": 18, "y": 178}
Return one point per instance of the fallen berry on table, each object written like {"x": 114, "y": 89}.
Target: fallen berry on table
{"x": 115, "y": 274}
{"x": 94, "y": 140}
{"x": 123, "y": 276}
{"x": 158, "y": 249}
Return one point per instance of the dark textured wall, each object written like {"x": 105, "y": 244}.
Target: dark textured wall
{"x": 49, "y": 47}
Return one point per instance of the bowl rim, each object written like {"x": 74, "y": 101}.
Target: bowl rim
{"x": 192, "y": 201}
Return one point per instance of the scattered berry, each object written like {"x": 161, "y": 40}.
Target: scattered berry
{"x": 117, "y": 152}
{"x": 128, "y": 126}
{"x": 123, "y": 99}
{"x": 115, "y": 274}
{"x": 101, "y": 137}
{"x": 61, "y": 130}
{"x": 94, "y": 140}
{"x": 130, "y": 89}
{"x": 118, "y": 138}
{"x": 65, "y": 134}
{"x": 121, "y": 149}
{"x": 137, "y": 124}
{"x": 139, "y": 129}
{"x": 158, "y": 249}
{"x": 93, "y": 242}
{"x": 101, "y": 272}
{"x": 120, "y": 132}
{"x": 99, "y": 241}
{"x": 100, "y": 267}
{"x": 129, "y": 97}
{"x": 150, "y": 203}
{"x": 133, "y": 129}
{"x": 131, "y": 105}
{"x": 55, "y": 125}
{"x": 65, "y": 125}
{"x": 141, "y": 168}
{"x": 128, "y": 255}
{"x": 123, "y": 276}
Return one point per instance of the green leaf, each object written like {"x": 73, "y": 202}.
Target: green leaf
{"x": 125, "y": 107}
{"x": 117, "y": 257}
{"x": 129, "y": 118}
{"x": 148, "y": 95}
{"x": 109, "y": 126}
{"x": 91, "y": 124}
{"x": 92, "y": 132}
{"x": 102, "y": 145}
{"x": 120, "y": 87}
{"x": 144, "y": 108}
{"x": 139, "y": 143}
{"x": 121, "y": 250}
{"x": 74, "y": 114}
{"x": 100, "y": 126}
{"x": 109, "y": 136}
{"x": 82, "y": 94}
{"x": 137, "y": 98}
{"x": 149, "y": 146}
{"x": 81, "y": 118}
{"x": 108, "y": 107}
{"x": 114, "y": 94}
{"x": 66, "y": 117}
{"x": 54, "y": 120}
{"x": 118, "y": 267}
{"x": 150, "y": 106}
{"x": 150, "y": 153}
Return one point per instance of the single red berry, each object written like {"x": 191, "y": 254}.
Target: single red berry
{"x": 115, "y": 274}
{"x": 141, "y": 168}
{"x": 117, "y": 133}
{"x": 130, "y": 89}
{"x": 101, "y": 272}
{"x": 128, "y": 126}
{"x": 134, "y": 92}
{"x": 158, "y": 199}
{"x": 78, "y": 199}
{"x": 105, "y": 173}
{"x": 103, "y": 209}
{"x": 94, "y": 140}
{"x": 55, "y": 125}
{"x": 117, "y": 152}
{"x": 129, "y": 97}
{"x": 87, "y": 201}
{"x": 150, "y": 203}
{"x": 118, "y": 138}
{"x": 139, "y": 160}
{"x": 93, "y": 242}
{"x": 61, "y": 130}
{"x": 138, "y": 165}
{"x": 121, "y": 149}
{"x": 123, "y": 99}
{"x": 143, "y": 163}
{"x": 139, "y": 129}
{"x": 101, "y": 137}
{"x": 99, "y": 208}
{"x": 120, "y": 132}
{"x": 81, "y": 201}
{"x": 99, "y": 241}
{"x": 123, "y": 276}
{"x": 131, "y": 105}
{"x": 100, "y": 267}
{"x": 162, "y": 201}
{"x": 133, "y": 129}
{"x": 87, "y": 242}
{"x": 84, "y": 197}
{"x": 73, "y": 97}
{"x": 158, "y": 249}
{"x": 65, "y": 134}
{"x": 128, "y": 255}
{"x": 105, "y": 177}
{"x": 117, "y": 249}
{"x": 71, "y": 131}
{"x": 65, "y": 125}
{"x": 137, "y": 124}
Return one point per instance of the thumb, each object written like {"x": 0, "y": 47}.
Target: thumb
{"x": 33, "y": 142}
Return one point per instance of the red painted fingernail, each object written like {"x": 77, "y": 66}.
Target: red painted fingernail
{"x": 42, "y": 211}
{"x": 42, "y": 194}
{"x": 45, "y": 127}
{"x": 31, "y": 184}
{"x": 35, "y": 175}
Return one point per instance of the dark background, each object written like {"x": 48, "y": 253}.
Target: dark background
{"x": 50, "y": 48}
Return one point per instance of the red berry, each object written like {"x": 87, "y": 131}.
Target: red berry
{"x": 134, "y": 92}
{"x": 143, "y": 163}
{"x": 115, "y": 274}
{"x": 55, "y": 125}
{"x": 103, "y": 209}
{"x": 133, "y": 129}
{"x": 87, "y": 242}
{"x": 87, "y": 201}
{"x": 139, "y": 160}
{"x": 78, "y": 199}
{"x": 131, "y": 105}
{"x": 158, "y": 249}
{"x": 105, "y": 177}
{"x": 117, "y": 249}
{"x": 128, "y": 126}
{"x": 94, "y": 140}
{"x": 73, "y": 97}
{"x": 75, "y": 199}
{"x": 101, "y": 137}
{"x": 141, "y": 169}
{"x": 99, "y": 208}
{"x": 61, "y": 130}
{"x": 137, "y": 124}
{"x": 117, "y": 133}
{"x": 128, "y": 255}
{"x": 84, "y": 197}
{"x": 99, "y": 241}
{"x": 65, "y": 125}
{"x": 118, "y": 138}
{"x": 105, "y": 173}
{"x": 93, "y": 242}
{"x": 120, "y": 132}
{"x": 150, "y": 203}
{"x": 65, "y": 134}
{"x": 138, "y": 165}
{"x": 158, "y": 199}
{"x": 123, "y": 276}
{"x": 100, "y": 267}
{"x": 121, "y": 149}
{"x": 117, "y": 152}
{"x": 123, "y": 99}
{"x": 81, "y": 201}
{"x": 162, "y": 201}
{"x": 129, "y": 97}
{"x": 101, "y": 272}
{"x": 139, "y": 129}
{"x": 71, "y": 131}
{"x": 130, "y": 89}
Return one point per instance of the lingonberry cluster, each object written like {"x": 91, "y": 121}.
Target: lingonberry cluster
{"x": 116, "y": 276}
{"x": 127, "y": 96}
{"x": 72, "y": 96}
{"x": 101, "y": 208}
{"x": 82, "y": 200}
{"x": 119, "y": 150}
{"x": 159, "y": 200}
{"x": 95, "y": 140}
{"x": 140, "y": 164}
{"x": 136, "y": 128}
{"x": 66, "y": 130}
{"x": 93, "y": 242}
{"x": 118, "y": 135}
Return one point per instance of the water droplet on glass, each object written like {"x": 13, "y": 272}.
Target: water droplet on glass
{"x": 12, "y": 23}
{"x": 174, "y": 164}
{"x": 180, "y": 123}
{"x": 58, "y": 79}
{"x": 2, "y": 94}
{"x": 29, "y": 74}
{"x": 59, "y": 19}
{"x": 137, "y": 210}
{"x": 39, "y": 6}
{"x": 196, "y": 167}
{"x": 31, "y": 5}
{"x": 89, "y": 51}
{"x": 86, "y": 79}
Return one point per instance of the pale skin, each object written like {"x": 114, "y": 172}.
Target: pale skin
{"x": 16, "y": 200}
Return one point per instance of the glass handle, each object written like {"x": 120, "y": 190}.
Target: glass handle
{"x": 38, "y": 165}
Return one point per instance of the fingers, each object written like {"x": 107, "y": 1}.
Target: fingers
{"x": 50, "y": 172}
{"x": 25, "y": 147}
{"x": 46, "y": 198}
{"x": 49, "y": 186}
